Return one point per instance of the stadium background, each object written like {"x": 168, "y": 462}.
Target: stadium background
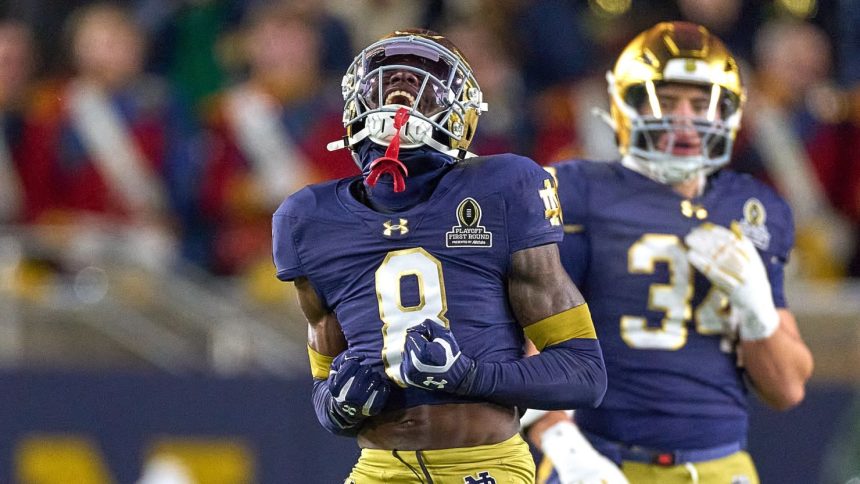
{"x": 151, "y": 343}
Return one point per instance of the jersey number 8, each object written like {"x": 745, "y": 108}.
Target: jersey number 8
{"x": 398, "y": 318}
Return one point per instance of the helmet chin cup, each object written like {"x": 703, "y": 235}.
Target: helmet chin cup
{"x": 380, "y": 128}
{"x": 646, "y": 156}
{"x": 669, "y": 171}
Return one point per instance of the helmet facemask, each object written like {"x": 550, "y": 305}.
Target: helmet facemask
{"x": 672, "y": 148}
{"x": 418, "y": 73}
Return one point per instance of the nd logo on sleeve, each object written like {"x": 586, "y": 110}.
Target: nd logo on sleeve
{"x": 551, "y": 204}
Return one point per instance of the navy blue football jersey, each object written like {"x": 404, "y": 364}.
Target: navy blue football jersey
{"x": 446, "y": 260}
{"x": 674, "y": 379}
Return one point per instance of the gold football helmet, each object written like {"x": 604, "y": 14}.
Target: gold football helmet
{"x": 669, "y": 53}
{"x": 438, "y": 88}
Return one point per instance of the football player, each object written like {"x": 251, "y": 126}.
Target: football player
{"x": 682, "y": 264}
{"x": 420, "y": 278}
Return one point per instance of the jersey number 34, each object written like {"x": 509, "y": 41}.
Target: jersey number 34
{"x": 673, "y": 299}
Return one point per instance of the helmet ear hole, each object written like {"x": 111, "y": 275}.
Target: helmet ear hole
{"x": 635, "y": 96}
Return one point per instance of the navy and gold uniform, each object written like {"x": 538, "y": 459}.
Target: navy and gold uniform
{"x": 674, "y": 379}
{"x": 445, "y": 260}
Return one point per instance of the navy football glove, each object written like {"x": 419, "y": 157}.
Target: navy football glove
{"x": 432, "y": 360}
{"x": 357, "y": 390}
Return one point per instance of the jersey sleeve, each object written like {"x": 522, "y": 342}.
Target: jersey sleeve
{"x": 573, "y": 195}
{"x": 284, "y": 252}
{"x": 532, "y": 208}
{"x": 780, "y": 224}
{"x": 572, "y": 192}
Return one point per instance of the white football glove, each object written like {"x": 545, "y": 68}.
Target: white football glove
{"x": 732, "y": 264}
{"x": 575, "y": 460}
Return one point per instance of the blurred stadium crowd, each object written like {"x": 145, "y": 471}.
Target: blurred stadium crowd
{"x": 146, "y": 143}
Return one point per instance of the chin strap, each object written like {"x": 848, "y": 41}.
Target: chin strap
{"x": 389, "y": 164}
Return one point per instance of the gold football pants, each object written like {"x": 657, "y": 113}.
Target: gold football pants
{"x": 507, "y": 462}
{"x": 735, "y": 468}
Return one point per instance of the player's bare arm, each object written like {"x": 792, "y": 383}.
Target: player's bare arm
{"x": 538, "y": 285}
{"x": 324, "y": 333}
{"x": 779, "y": 365}
{"x": 774, "y": 354}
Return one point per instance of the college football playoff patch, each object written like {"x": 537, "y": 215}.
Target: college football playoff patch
{"x": 468, "y": 232}
{"x": 753, "y": 223}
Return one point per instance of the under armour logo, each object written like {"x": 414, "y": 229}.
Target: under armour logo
{"x": 391, "y": 227}
{"x": 349, "y": 409}
{"x": 483, "y": 478}
{"x": 438, "y": 384}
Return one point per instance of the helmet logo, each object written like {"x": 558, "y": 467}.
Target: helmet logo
{"x": 690, "y": 65}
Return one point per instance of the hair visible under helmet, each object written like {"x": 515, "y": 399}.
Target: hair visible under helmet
{"x": 674, "y": 52}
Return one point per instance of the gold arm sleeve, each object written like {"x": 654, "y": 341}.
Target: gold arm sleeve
{"x": 320, "y": 363}
{"x": 569, "y": 324}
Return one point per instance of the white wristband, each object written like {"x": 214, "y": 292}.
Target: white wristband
{"x": 563, "y": 440}
{"x": 575, "y": 460}
{"x": 756, "y": 326}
